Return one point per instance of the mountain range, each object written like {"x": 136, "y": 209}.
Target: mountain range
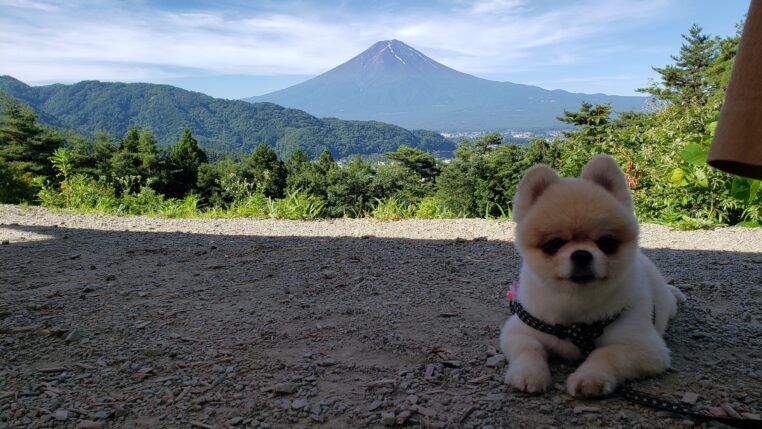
{"x": 394, "y": 83}
{"x": 223, "y": 125}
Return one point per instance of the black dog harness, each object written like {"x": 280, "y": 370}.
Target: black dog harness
{"x": 582, "y": 335}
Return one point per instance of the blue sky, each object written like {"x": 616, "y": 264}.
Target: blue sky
{"x": 235, "y": 49}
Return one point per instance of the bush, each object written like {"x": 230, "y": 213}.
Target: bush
{"x": 393, "y": 209}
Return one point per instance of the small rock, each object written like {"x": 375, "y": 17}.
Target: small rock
{"x": 103, "y": 414}
{"x": 413, "y": 399}
{"x": 495, "y": 361}
{"x": 300, "y": 404}
{"x": 235, "y": 421}
{"x": 142, "y": 294}
{"x": 428, "y": 412}
{"x": 579, "y": 409}
{"x": 403, "y": 416}
{"x": 89, "y": 424}
{"x": 329, "y": 361}
{"x": 281, "y": 388}
{"x": 751, "y": 416}
{"x": 374, "y": 405}
{"x": 74, "y": 336}
{"x": 730, "y": 410}
{"x": 716, "y": 411}
{"x": 387, "y": 418}
{"x": 61, "y": 415}
{"x": 690, "y": 398}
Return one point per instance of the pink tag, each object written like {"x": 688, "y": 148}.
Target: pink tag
{"x": 512, "y": 291}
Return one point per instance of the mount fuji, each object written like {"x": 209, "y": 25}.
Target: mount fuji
{"x": 395, "y": 83}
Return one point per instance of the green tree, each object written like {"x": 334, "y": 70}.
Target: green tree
{"x": 687, "y": 81}
{"x": 136, "y": 162}
{"x": 264, "y": 167}
{"x": 592, "y": 121}
{"x": 182, "y": 166}
{"x": 16, "y": 185}
{"x": 417, "y": 161}
{"x": 24, "y": 145}
{"x": 349, "y": 189}
{"x": 296, "y": 168}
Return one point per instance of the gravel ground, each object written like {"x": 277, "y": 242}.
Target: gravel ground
{"x": 144, "y": 322}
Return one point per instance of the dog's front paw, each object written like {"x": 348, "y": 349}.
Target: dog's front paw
{"x": 530, "y": 377}
{"x": 590, "y": 383}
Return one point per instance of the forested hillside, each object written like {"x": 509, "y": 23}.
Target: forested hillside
{"x": 218, "y": 124}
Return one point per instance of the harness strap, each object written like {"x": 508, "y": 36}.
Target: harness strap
{"x": 582, "y": 335}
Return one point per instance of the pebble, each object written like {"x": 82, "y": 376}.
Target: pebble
{"x": 387, "y": 418}
{"x": 403, "y": 416}
{"x": 328, "y": 362}
{"x": 61, "y": 415}
{"x": 300, "y": 404}
{"x": 74, "y": 336}
{"x": 495, "y": 361}
{"x": 579, "y": 409}
{"x": 690, "y": 398}
{"x": 374, "y": 405}
{"x": 89, "y": 424}
{"x": 281, "y": 388}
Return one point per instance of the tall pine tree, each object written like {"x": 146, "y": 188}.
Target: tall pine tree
{"x": 183, "y": 164}
{"x": 264, "y": 168}
{"x": 687, "y": 82}
{"x": 24, "y": 145}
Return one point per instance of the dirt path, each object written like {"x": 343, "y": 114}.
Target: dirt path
{"x": 144, "y": 322}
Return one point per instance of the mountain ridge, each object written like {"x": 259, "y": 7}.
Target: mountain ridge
{"x": 395, "y": 83}
{"x": 225, "y": 125}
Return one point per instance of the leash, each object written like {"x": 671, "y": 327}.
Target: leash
{"x": 651, "y": 401}
{"x": 583, "y": 335}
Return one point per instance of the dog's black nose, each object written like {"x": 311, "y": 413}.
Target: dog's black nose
{"x": 581, "y": 258}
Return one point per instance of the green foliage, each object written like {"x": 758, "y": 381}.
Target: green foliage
{"x": 349, "y": 191}
{"x": 137, "y": 155}
{"x": 592, "y": 122}
{"x": 482, "y": 179}
{"x": 295, "y": 206}
{"x": 416, "y": 161}
{"x": 182, "y": 166}
{"x": 432, "y": 208}
{"x": 24, "y": 145}
{"x": 393, "y": 209}
{"x": 16, "y": 185}
{"x": 267, "y": 171}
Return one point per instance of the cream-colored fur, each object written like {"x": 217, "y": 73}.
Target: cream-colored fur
{"x": 580, "y": 211}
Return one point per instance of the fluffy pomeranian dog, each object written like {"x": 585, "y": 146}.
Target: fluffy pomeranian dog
{"x": 585, "y": 290}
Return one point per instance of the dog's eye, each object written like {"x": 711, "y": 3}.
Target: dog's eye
{"x": 608, "y": 245}
{"x": 551, "y": 247}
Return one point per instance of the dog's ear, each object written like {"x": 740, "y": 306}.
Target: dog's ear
{"x": 604, "y": 171}
{"x": 535, "y": 181}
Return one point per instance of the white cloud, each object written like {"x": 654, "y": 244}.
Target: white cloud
{"x": 69, "y": 41}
